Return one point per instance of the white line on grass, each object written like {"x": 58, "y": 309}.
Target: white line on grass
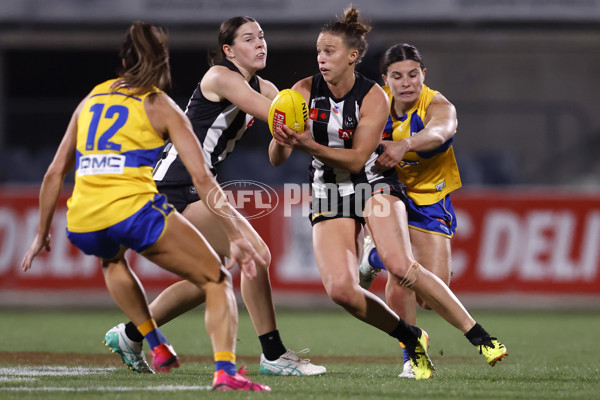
{"x": 161, "y": 388}
{"x": 13, "y": 379}
{"x": 28, "y": 374}
{"x": 54, "y": 371}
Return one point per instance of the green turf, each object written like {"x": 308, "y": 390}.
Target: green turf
{"x": 552, "y": 356}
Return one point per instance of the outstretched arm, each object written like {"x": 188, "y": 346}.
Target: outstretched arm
{"x": 63, "y": 161}
{"x": 168, "y": 119}
{"x": 220, "y": 83}
{"x": 279, "y": 153}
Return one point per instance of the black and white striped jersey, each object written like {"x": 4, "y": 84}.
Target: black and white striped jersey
{"x": 332, "y": 123}
{"x": 218, "y": 126}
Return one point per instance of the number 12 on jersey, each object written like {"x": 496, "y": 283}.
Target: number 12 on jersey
{"x": 104, "y": 143}
{"x": 99, "y": 164}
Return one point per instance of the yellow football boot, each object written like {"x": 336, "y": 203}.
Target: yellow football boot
{"x": 493, "y": 351}
{"x": 422, "y": 366}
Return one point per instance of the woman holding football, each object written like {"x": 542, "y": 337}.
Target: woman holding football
{"x": 224, "y": 104}
{"x": 347, "y": 114}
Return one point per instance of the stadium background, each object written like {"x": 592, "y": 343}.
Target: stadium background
{"x": 522, "y": 74}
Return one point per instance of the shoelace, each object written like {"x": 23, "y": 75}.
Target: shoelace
{"x": 243, "y": 371}
{"x": 303, "y": 360}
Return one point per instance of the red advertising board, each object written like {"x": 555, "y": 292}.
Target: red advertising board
{"x": 523, "y": 241}
{"x": 510, "y": 241}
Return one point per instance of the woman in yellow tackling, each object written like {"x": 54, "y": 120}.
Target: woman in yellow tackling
{"x": 113, "y": 139}
{"x": 418, "y": 144}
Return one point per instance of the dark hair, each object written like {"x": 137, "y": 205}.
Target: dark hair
{"x": 401, "y": 52}
{"x": 227, "y": 33}
{"x": 145, "y": 56}
{"x": 351, "y": 30}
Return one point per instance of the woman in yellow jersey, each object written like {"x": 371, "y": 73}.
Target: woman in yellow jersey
{"x": 113, "y": 140}
{"x": 418, "y": 144}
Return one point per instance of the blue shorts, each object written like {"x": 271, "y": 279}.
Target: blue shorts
{"x": 137, "y": 232}
{"x": 438, "y": 218}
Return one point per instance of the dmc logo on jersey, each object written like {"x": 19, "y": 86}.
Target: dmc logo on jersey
{"x": 251, "y": 198}
{"x": 346, "y": 134}
{"x": 98, "y": 164}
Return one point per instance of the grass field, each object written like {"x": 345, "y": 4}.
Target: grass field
{"x": 552, "y": 355}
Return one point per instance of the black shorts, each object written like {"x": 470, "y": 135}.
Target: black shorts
{"x": 352, "y": 206}
{"x": 179, "y": 195}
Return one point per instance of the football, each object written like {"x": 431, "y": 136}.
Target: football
{"x": 288, "y": 108}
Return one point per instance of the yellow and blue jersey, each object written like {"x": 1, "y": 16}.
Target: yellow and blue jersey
{"x": 116, "y": 150}
{"x": 428, "y": 176}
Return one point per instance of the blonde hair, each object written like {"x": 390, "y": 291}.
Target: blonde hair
{"x": 145, "y": 56}
{"x": 352, "y": 31}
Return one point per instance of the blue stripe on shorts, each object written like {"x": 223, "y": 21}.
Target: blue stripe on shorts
{"x": 137, "y": 232}
{"x": 438, "y": 218}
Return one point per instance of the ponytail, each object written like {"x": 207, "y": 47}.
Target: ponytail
{"x": 145, "y": 56}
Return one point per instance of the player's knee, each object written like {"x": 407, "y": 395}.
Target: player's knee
{"x": 422, "y": 304}
{"x": 396, "y": 263}
{"x": 211, "y": 270}
{"x": 225, "y": 276}
{"x": 224, "y": 285}
{"x": 340, "y": 293}
{"x": 407, "y": 277}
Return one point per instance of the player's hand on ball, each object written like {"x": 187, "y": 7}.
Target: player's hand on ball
{"x": 287, "y": 137}
{"x": 288, "y": 108}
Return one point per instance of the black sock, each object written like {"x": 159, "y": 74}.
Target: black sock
{"x": 477, "y": 335}
{"x": 132, "y": 332}
{"x": 272, "y": 346}
{"x": 406, "y": 333}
